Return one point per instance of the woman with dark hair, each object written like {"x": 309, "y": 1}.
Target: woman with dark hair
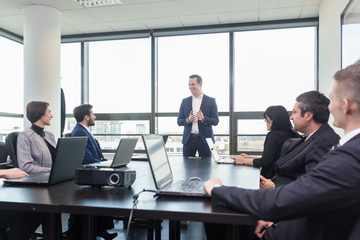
{"x": 35, "y": 146}
{"x": 279, "y": 126}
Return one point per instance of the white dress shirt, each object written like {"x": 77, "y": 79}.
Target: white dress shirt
{"x": 196, "y": 103}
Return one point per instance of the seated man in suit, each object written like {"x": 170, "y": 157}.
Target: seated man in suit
{"x": 310, "y": 117}
{"x": 17, "y": 225}
{"x": 325, "y": 201}
{"x": 85, "y": 118}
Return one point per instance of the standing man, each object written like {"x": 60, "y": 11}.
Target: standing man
{"x": 197, "y": 114}
{"x": 328, "y": 197}
{"x": 85, "y": 118}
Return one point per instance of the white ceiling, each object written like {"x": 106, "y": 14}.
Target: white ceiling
{"x": 155, "y": 14}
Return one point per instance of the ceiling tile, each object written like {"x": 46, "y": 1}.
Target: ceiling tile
{"x": 78, "y": 17}
{"x": 274, "y": 4}
{"x": 236, "y": 17}
{"x": 199, "y": 20}
{"x": 279, "y": 13}
{"x": 310, "y": 11}
{"x": 12, "y": 22}
{"x": 127, "y": 25}
{"x": 94, "y": 28}
{"x": 158, "y": 23}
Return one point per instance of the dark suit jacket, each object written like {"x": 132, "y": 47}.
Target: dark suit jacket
{"x": 271, "y": 153}
{"x": 93, "y": 151}
{"x": 305, "y": 156}
{"x": 328, "y": 197}
{"x": 211, "y": 117}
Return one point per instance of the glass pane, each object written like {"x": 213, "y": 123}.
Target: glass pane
{"x": 272, "y": 67}
{"x": 120, "y": 76}
{"x": 11, "y": 76}
{"x": 222, "y": 127}
{"x": 206, "y": 55}
{"x": 71, "y": 74}
{"x": 168, "y": 125}
{"x": 222, "y": 145}
{"x": 252, "y": 126}
{"x": 250, "y": 143}
{"x": 8, "y": 125}
{"x": 351, "y": 34}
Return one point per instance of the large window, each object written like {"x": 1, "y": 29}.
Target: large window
{"x": 272, "y": 67}
{"x": 351, "y": 34}
{"x": 71, "y": 75}
{"x": 182, "y": 56}
{"x": 11, "y": 76}
{"x": 120, "y": 76}
{"x": 12, "y": 87}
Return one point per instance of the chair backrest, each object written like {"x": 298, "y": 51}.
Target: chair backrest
{"x": 289, "y": 144}
{"x": 4, "y": 153}
{"x": 11, "y": 142}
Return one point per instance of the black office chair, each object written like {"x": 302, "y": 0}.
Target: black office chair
{"x": 11, "y": 143}
{"x": 4, "y": 153}
{"x": 289, "y": 144}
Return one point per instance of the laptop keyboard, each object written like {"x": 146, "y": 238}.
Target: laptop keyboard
{"x": 189, "y": 186}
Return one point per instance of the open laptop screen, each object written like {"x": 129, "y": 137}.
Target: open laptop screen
{"x": 157, "y": 157}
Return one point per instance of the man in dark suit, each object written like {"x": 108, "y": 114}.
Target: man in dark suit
{"x": 325, "y": 201}
{"x": 310, "y": 117}
{"x": 198, "y": 113}
{"x": 85, "y": 118}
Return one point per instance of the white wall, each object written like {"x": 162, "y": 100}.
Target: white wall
{"x": 330, "y": 44}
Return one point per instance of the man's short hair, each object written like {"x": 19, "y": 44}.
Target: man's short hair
{"x": 198, "y": 78}
{"x": 81, "y": 111}
{"x": 35, "y": 110}
{"x": 349, "y": 83}
{"x": 316, "y": 103}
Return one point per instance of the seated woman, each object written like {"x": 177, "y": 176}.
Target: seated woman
{"x": 36, "y": 147}
{"x": 279, "y": 126}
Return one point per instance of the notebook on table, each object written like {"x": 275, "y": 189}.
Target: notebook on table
{"x": 215, "y": 154}
{"x": 69, "y": 155}
{"x": 162, "y": 174}
{"x": 122, "y": 155}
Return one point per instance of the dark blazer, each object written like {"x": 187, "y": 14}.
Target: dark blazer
{"x": 93, "y": 151}
{"x": 305, "y": 156}
{"x": 211, "y": 117}
{"x": 271, "y": 153}
{"x": 327, "y": 198}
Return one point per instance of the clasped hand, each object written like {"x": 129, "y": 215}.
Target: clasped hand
{"x": 195, "y": 117}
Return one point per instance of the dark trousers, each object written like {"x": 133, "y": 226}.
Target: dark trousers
{"x": 75, "y": 225}
{"x": 19, "y": 225}
{"x": 196, "y": 144}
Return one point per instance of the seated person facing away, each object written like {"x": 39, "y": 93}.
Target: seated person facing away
{"x": 35, "y": 146}
{"x": 85, "y": 118}
{"x": 325, "y": 201}
{"x": 310, "y": 117}
{"x": 279, "y": 126}
{"x": 16, "y": 225}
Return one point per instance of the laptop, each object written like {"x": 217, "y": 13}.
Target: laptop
{"x": 122, "y": 155}
{"x": 162, "y": 174}
{"x": 143, "y": 156}
{"x": 215, "y": 154}
{"x": 69, "y": 155}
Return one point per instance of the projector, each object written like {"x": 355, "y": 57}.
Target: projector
{"x": 118, "y": 177}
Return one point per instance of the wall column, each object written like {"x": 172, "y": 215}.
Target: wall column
{"x": 42, "y": 42}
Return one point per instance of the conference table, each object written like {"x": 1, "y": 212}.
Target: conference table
{"x": 69, "y": 197}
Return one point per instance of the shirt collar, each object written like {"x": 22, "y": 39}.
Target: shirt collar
{"x": 87, "y": 128}
{"x": 199, "y": 97}
{"x": 349, "y": 136}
